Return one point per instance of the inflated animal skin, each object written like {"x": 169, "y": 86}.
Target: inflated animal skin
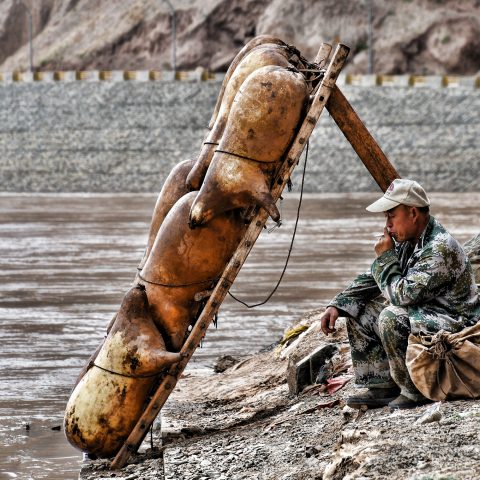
{"x": 175, "y": 185}
{"x": 184, "y": 262}
{"x": 262, "y": 123}
{"x": 109, "y": 399}
{"x": 174, "y": 188}
{"x": 254, "y": 42}
{"x": 267, "y": 54}
{"x": 260, "y": 111}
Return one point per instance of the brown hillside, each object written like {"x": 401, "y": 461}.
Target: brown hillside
{"x": 423, "y": 37}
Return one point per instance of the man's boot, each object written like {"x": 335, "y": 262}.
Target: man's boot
{"x": 374, "y": 397}
{"x": 402, "y": 402}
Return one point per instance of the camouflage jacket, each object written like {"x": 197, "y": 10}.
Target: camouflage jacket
{"x": 433, "y": 280}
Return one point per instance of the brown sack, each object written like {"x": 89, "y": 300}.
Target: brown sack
{"x": 446, "y": 366}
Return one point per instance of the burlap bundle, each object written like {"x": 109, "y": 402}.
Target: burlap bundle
{"x": 446, "y": 366}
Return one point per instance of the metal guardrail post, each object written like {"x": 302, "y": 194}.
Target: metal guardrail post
{"x": 30, "y": 33}
{"x": 174, "y": 37}
{"x": 370, "y": 36}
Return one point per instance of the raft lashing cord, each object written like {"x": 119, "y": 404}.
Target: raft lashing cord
{"x": 291, "y": 242}
{"x": 93, "y": 364}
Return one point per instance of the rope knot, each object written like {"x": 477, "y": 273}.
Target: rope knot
{"x": 440, "y": 345}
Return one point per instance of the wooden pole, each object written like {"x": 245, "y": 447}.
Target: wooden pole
{"x": 323, "y": 54}
{"x": 361, "y": 140}
{"x": 223, "y": 285}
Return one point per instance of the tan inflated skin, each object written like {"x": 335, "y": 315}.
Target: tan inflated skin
{"x": 174, "y": 188}
{"x": 263, "y": 55}
{"x": 254, "y": 42}
{"x": 108, "y": 400}
{"x": 263, "y": 121}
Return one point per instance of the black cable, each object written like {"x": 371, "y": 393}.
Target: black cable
{"x": 93, "y": 364}
{"x": 291, "y": 243}
{"x": 179, "y": 285}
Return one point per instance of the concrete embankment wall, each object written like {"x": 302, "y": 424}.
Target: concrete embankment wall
{"x": 126, "y": 136}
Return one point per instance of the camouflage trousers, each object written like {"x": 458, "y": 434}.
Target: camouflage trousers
{"x": 378, "y": 341}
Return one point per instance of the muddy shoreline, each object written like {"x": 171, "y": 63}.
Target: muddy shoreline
{"x": 244, "y": 424}
{"x": 251, "y": 420}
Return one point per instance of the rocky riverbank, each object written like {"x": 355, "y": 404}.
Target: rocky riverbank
{"x": 246, "y": 425}
{"x": 244, "y": 422}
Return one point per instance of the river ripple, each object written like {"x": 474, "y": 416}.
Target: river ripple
{"x": 67, "y": 261}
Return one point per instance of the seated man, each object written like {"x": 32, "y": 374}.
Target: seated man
{"x": 427, "y": 285}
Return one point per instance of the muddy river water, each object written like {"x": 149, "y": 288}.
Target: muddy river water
{"x": 67, "y": 260}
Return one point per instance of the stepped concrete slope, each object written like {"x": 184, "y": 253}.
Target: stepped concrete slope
{"x": 126, "y": 136}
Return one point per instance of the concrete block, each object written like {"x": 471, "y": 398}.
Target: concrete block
{"x": 432, "y": 81}
{"x": 304, "y": 372}
{"x": 197, "y": 75}
{"x": 154, "y": 75}
{"x": 469, "y": 82}
{"x": 87, "y": 75}
{"x": 354, "y": 80}
{"x": 129, "y": 75}
{"x": 111, "y": 75}
{"x": 64, "y": 76}
{"x": 22, "y": 76}
{"x": 341, "y": 80}
{"x": 368, "y": 80}
{"x": 393, "y": 80}
{"x": 218, "y": 76}
{"x": 142, "y": 75}
{"x": 6, "y": 77}
{"x": 169, "y": 76}
{"x": 43, "y": 76}
{"x": 361, "y": 80}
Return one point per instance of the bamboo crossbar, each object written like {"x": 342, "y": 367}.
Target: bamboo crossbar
{"x": 231, "y": 271}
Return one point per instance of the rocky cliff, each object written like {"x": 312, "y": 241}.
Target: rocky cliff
{"x": 424, "y": 36}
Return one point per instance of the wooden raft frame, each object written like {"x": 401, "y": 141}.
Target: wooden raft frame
{"x": 327, "y": 95}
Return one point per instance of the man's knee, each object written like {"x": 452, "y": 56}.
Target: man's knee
{"x": 393, "y": 319}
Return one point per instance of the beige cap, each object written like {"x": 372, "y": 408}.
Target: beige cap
{"x": 401, "y": 192}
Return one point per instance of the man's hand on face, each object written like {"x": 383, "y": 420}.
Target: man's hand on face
{"x": 328, "y": 319}
{"x": 384, "y": 243}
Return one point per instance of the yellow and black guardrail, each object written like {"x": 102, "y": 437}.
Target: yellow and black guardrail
{"x": 202, "y": 75}
{"x": 198, "y": 75}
